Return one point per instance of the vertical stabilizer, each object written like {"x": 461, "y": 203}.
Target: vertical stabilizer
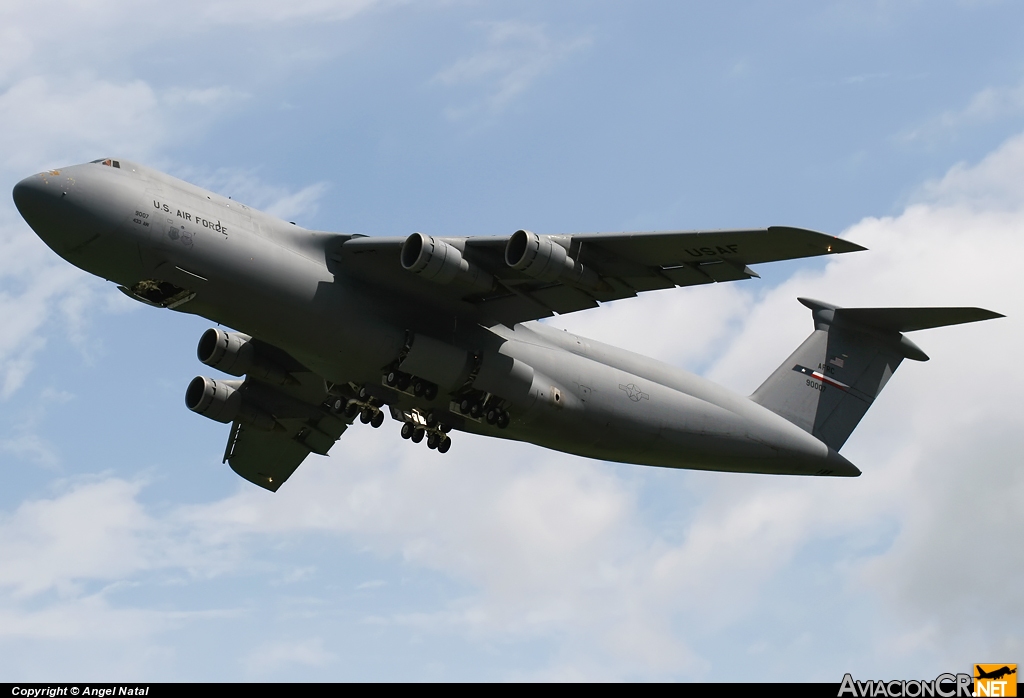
{"x": 827, "y": 385}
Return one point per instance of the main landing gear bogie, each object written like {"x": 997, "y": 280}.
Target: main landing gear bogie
{"x": 418, "y": 426}
{"x": 365, "y": 406}
{"x": 485, "y": 408}
{"x": 419, "y": 387}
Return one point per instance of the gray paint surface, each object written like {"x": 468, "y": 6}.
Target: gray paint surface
{"x": 337, "y": 326}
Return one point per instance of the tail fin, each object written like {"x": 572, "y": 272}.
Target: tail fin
{"x": 827, "y": 385}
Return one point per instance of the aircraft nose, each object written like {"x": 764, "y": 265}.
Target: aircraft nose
{"x": 42, "y": 200}
{"x": 30, "y": 194}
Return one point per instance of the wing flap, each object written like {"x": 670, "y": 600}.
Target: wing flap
{"x": 564, "y": 299}
{"x": 264, "y": 458}
{"x": 302, "y": 424}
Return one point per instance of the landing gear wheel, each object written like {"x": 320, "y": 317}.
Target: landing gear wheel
{"x": 377, "y": 420}
{"x": 351, "y": 409}
{"x": 338, "y": 406}
{"x": 403, "y": 381}
{"x": 444, "y": 428}
{"x": 475, "y": 410}
{"x": 366, "y": 415}
{"x": 466, "y": 405}
{"x": 431, "y": 418}
{"x": 445, "y": 444}
{"x": 503, "y": 420}
{"x": 418, "y": 388}
{"x": 433, "y": 440}
{"x": 407, "y": 430}
{"x": 431, "y": 391}
{"x": 492, "y": 415}
{"x": 364, "y": 394}
{"x": 392, "y": 378}
{"x": 417, "y": 435}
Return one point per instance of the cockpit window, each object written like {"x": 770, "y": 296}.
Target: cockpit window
{"x": 108, "y": 162}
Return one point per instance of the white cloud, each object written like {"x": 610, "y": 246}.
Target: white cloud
{"x": 93, "y": 531}
{"x": 49, "y": 122}
{"x": 271, "y": 657}
{"x": 33, "y": 284}
{"x": 988, "y": 105}
{"x": 516, "y": 55}
{"x": 269, "y": 12}
{"x": 249, "y": 187}
{"x": 994, "y": 186}
{"x": 45, "y": 39}
{"x": 30, "y": 446}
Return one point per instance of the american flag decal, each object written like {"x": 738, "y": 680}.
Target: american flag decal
{"x": 818, "y": 375}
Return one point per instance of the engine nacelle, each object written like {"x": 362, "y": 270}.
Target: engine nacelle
{"x": 536, "y": 256}
{"x": 545, "y": 260}
{"x": 222, "y": 401}
{"x": 235, "y": 354}
{"x": 442, "y": 263}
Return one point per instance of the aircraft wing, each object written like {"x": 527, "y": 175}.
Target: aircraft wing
{"x": 303, "y": 424}
{"x": 610, "y": 266}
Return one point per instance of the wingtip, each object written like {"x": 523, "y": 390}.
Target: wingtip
{"x": 841, "y": 246}
{"x": 832, "y": 244}
{"x": 839, "y": 466}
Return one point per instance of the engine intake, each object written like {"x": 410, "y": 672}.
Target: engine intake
{"x": 539, "y": 257}
{"x": 544, "y": 259}
{"x": 442, "y": 263}
{"x": 235, "y": 354}
{"x": 222, "y": 401}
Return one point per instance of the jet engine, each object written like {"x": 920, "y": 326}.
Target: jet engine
{"x": 235, "y": 354}
{"x": 442, "y": 263}
{"x": 222, "y": 401}
{"x": 545, "y": 260}
{"x": 536, "y": 256}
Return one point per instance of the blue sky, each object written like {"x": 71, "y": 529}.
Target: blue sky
{"x": 127, "y": 551}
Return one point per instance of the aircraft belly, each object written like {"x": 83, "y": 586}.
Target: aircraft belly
{"x": 612, "y": 414}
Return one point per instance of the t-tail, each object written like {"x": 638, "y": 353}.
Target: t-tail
{"x": 827, "y": 385}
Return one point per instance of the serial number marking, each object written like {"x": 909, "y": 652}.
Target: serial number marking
{"x": 818, "y": 380}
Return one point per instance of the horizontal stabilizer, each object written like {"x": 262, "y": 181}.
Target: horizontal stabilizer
{"x": 827, "y": 385}
{"x": 903, "y": 319}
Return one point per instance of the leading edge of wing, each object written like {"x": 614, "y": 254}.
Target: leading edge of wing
{"x": 606, "y": 267}
{"x": 752, "y": 246}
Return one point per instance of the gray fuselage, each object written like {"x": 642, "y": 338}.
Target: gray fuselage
{"x": 276, "y": 281}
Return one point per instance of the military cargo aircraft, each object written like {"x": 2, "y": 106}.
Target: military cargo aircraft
{"x": 441, "y": 333}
